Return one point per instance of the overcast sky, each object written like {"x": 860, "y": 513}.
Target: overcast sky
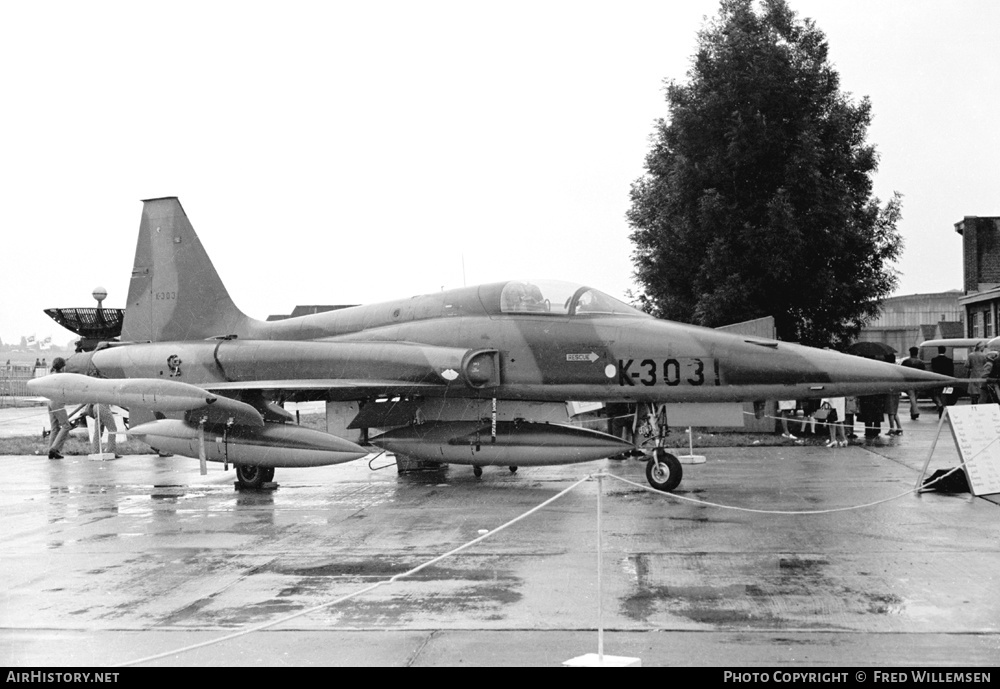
{"x": 354, "y": 152}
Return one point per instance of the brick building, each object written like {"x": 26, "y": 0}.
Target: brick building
{"x": 981, "y": 274}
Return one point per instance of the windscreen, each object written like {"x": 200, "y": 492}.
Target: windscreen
{"x": 560, "y": 298}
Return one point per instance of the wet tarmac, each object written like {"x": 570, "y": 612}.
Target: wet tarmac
{"x": 106, "y": 563}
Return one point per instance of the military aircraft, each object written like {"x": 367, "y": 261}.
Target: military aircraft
{"x": 477, "y": 376}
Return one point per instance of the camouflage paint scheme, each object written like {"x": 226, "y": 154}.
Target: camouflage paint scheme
{"x": 514, "y": 342}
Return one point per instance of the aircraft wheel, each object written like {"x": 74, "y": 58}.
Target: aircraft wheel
{"x": 513, "y": 470}
{"x": 268, "y": 474}
{"x": 478, "y": 471}
{"x": 250, "y": 475}
{"x": 663, "y": 471}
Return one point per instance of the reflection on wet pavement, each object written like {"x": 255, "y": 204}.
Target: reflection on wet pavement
{"x": 147, "y": 543}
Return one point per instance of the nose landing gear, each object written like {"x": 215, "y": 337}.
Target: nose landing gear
{"x": 663, "y": 470}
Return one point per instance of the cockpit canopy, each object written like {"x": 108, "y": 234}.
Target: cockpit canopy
{"x": 545, "y": 297}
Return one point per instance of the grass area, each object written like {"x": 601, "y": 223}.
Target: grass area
{"x": 36, "y": 445}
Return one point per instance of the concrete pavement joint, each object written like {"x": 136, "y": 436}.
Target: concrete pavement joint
{"x": 416, "y": 653}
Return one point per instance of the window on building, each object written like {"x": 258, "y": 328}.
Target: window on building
{"x": 976, "y": 325}
{"x": 988, "y": 316}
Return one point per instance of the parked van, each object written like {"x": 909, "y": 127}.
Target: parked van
{"x": 957, "y": 349}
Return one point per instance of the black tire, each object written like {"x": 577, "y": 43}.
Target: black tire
{"x": 663, "y": 471}
{"x": 268, "y": 474}
{"x": 250, "y": 475}
{"x": 478, "y": 471}
{"x": 513, "y": 469}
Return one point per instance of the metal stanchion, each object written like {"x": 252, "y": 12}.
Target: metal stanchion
{"x": 691, "y": 457}
{"x": 600, "y": 569}
{"x": 599, "y": 659}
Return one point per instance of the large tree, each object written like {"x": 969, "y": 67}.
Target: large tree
{"x": 757, "y": 198}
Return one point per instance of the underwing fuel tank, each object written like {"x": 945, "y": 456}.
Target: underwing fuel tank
{"x": 517, "y": 443}
{"x": 274, "y": 445}
{"x": 158, "y": 395}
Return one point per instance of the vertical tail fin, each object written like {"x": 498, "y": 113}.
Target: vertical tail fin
{"x": 175, "y": 292}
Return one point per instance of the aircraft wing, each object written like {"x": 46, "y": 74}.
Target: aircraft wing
{"x": 213, "y": 402}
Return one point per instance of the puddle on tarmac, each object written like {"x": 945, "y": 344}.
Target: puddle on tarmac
{"x": 792, "y": 594}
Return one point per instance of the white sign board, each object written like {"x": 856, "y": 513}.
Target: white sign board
{"x": 704, "y": 414}
{"x": 976, "y": 429}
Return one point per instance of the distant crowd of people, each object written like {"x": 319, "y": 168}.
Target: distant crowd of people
{"x": 839, "y": 414}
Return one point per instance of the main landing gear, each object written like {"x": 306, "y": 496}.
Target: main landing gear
{"x": 253, "y": 476}
{"x": 478, "y": 470}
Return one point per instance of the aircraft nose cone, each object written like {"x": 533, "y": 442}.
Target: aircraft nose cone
{"x": 915, "y": 376}
{"x": 850, "y": 368}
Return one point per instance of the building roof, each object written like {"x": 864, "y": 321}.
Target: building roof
{"x": 928, "y": 332}
{"x": 952, "y": 293}
{"x": 307, "y": 309}
{"x": 950, "y": 329}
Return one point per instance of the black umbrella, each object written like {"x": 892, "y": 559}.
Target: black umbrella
{"x": 872, "y": 350}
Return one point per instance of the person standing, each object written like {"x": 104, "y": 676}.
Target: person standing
{"x": 850, "y": 411}
{"x": 946, "y": 367}
{"x": 991, "y": 388}
{"x": 104, "y": 419}
{"x": 892, "y": 406}
{"x": 786, "y": 408}
{"x": 977, "y": 371}
{"x": 835, "y": 421}
{"x": 913, "y": 361}
{"x": 872, "y": 412}
{"x": 59, "y": 425}
{"x": 892, "y": 412}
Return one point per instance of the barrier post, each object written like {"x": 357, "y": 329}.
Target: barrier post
{"x": 599, "y": 659}
{"x": 600, "y": 586}
{"x": 930, "y": 453}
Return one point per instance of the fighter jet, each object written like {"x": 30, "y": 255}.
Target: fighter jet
{"x": 477, "y": 376}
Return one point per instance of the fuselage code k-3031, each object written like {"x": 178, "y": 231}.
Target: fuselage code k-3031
{"x": 669, "y": 372}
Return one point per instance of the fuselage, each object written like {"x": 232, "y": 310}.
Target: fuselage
{"x": 478, "y": 375}
{"x": 546, "y": 340}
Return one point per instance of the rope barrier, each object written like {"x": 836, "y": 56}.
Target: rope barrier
{"x": 454, "y": 551}
{"x": 366, "y": 589}
{"x": 706, "y": 503}
{"x": 490, "y": 534}
{"x": 803, "y": 420}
